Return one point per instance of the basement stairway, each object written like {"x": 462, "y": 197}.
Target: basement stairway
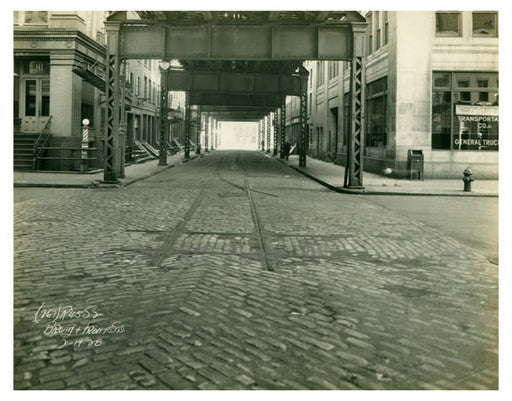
{"x": 141, "y": 153}
{"x": 175, "y": 147}
{"x": 23, "y": 156}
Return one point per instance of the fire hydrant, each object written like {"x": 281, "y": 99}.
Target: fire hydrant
{"x": 468, "y": 179}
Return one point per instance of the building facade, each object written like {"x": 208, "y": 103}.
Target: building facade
{"x": 431, "y": 89}
{"x": 59, "y": 64}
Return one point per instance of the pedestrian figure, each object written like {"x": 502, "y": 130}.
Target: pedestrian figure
{"x": 262, "y": 145}
{"x": 286, "y": 149}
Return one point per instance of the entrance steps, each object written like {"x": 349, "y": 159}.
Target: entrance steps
{"x": 23, "y": 155}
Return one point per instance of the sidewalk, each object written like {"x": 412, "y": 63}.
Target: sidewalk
{"x": 57, "y": 179}
{"x": 332, "y": 175}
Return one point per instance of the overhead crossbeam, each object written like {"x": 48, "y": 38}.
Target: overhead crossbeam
{"x": 235, "y": 99}
{"x": 234, "y": 82}
{"x": 213, "y": 108}
{"x": 149, "y": 39}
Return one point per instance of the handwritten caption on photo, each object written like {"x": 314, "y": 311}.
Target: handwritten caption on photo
{"x": 76, "y": 326}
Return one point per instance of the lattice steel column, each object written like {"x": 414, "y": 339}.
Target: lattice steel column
{"x": 188, "y": 124}
{"x": 112, "y": 94}
{"x": 282, "y": 128}
{"x": 354, "y": 165}
{"x": 268, "y": 132}
{"x": 259, "y": 134}
{"x": 198, "y": 130}
{"x": 217, "y": 136}
{"x": 122, "y": 120}
{"x": 206, "y": 127}
{"x": 276, "y": 132}
{"x": 164, "y": 121}
{"x": 354, "y": 176}
{"x": 212, "y": 141}
{"x": 303, "y": 129}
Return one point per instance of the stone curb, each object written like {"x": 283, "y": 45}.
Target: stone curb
{"x": 391, "y": 193}
{"x": 97, "y": 184}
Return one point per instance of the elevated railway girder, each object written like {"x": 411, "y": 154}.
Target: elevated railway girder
{"x": 250, "y": 60}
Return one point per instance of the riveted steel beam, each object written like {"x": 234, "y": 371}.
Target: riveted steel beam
{"x": 274, "y": 41}
{"x": 236, "y": 109}
{"x": 234, "y": 82}
{"x": 230, "y": 99}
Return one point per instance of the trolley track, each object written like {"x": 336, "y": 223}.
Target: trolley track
{"x": 217, "y": 165}
{"x": 177, "y": 231}
{"x": 266, "y": 256}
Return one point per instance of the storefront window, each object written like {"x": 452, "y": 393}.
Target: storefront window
{"x": 465, "y": 117}
{"x": 376, "y": 103}
{"x": 448, "y": 23}
{"x": 485, "y": 24}
{"x": 441, "y": 120}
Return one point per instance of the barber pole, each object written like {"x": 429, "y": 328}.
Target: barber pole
{"x": 85, "y": 146}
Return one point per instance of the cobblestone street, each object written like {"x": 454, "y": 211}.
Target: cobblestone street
{"x": 233, "y": 271}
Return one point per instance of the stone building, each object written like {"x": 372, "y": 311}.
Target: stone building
{"x": 59, "y": 64}
{"x": 431, "y": 93}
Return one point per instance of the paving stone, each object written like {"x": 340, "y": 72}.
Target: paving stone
{"x": 360, "y": 297}
{"x": 108, "y": 381}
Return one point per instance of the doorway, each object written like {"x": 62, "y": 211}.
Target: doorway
{"x": 35, "y": 105}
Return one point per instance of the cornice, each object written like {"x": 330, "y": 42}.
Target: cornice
{"x": 59, "y": 36}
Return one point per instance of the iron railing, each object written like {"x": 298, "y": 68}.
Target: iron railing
{"x": 41, "y": 142}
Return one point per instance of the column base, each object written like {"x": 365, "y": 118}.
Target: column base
{"x": 109, "y": 184}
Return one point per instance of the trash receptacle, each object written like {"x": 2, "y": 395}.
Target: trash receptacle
{"x": 415, "y": 164}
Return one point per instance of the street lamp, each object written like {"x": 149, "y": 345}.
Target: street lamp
{"x": 164, "y": 65}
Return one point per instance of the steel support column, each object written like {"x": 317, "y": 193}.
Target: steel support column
{"x": 122, "y": 121}
{"x": 112, "y": 93}
{"x": 259, "y": 134}
{"x": 198, "y": 130}
{"x": 206, "y": 127}
{"x": 303, "y": 129}
{"x": 164, "y": 121}
{"x": 282, "y": 129}
{"x": 214, "y": 134}
{"x": 276, "y": 132}
{"x": 218, "y": 136}
{"x": 188, "y": 127}
{"x": 354, "y": 168}
{"x": 267, "y": 118}
{"x": 354, "y": 165}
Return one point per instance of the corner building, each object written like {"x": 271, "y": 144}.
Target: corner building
{"x": 431, "y": 89}
{"x": 59, "y": 80}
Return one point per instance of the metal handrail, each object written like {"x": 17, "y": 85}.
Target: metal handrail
{"x": 41, "y": 141}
